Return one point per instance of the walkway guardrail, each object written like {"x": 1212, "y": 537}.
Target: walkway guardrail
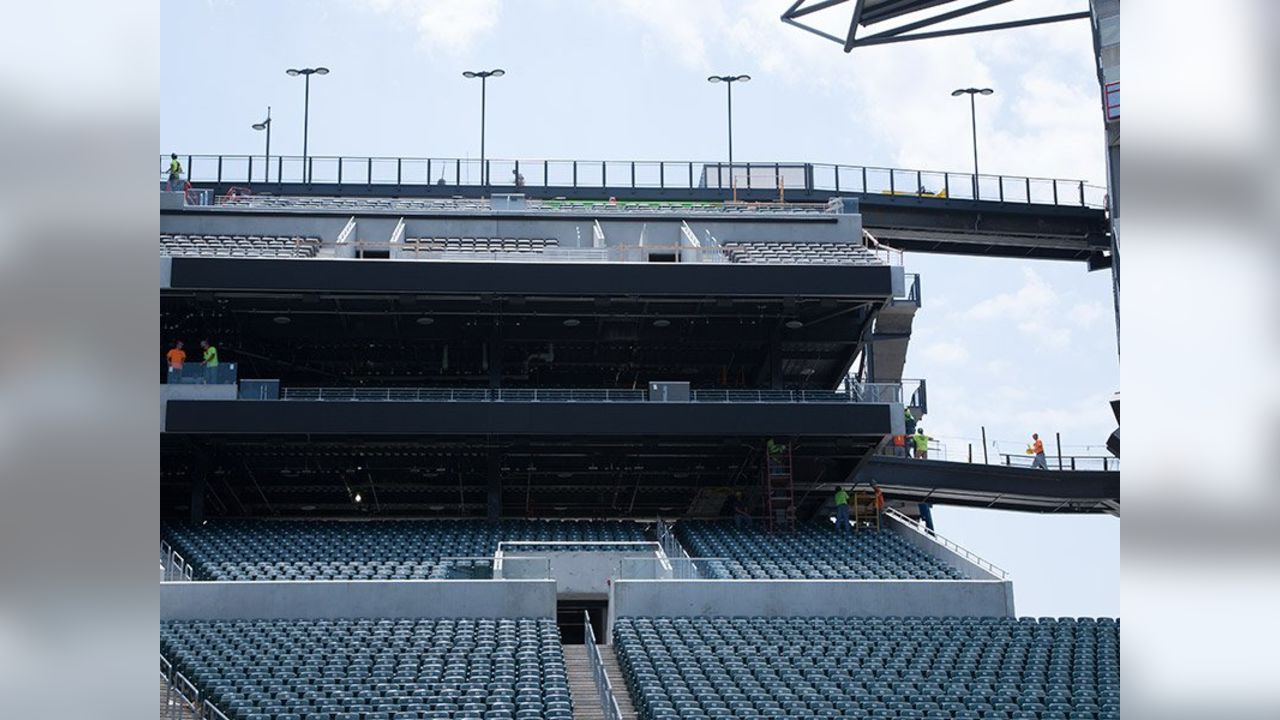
{"x": 1063, "y": 462}
{"x": 851, "y": 393}
{"x": 195, "y": 373}
{"x": 776, "y": 177}
{"x": 969, "y": 555}
{"x": 604, "y": 688}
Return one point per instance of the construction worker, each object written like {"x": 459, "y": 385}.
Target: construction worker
{"x": 879, "y": 504}
{"x": 175, "y": 171}
{"x": 842, "y": 509}
{"x": 926, "y": 514}
{"x": 210, "y": 361}
{"x": 176, "y": 357}
{"x": 920, "y": 442}
{"x": 910, "y": 420}
{"x": 775, "y": 448}
{"x": 1037, "y": 448}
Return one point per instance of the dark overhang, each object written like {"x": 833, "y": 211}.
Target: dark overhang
{"x": 534, "y": 278}
{"x": 637, "y": 420}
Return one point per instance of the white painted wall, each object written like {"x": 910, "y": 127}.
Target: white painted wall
{"x": 810, "y": 598}
{"x": 321, "y": 599}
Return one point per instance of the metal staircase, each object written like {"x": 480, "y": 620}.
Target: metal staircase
{"x": 779, "y": 489}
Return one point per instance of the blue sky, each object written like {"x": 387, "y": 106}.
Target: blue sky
{"x": 1013, "y": 345}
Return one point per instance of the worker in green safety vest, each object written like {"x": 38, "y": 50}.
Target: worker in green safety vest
{"x": 842, "y": 509}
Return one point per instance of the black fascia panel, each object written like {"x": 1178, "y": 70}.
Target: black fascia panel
{"x": 640, "y": 419}
{"x": 535, "y": 278}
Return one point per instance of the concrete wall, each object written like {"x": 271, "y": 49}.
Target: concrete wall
{"x": 809, "y": 598}
{"x": 934, "y": 549}
{"x": 287, "y": 599}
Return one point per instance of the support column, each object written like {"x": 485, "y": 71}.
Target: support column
{"x": 199, "y": 486}
{"x": 493, "y": 474}
{"x": 493, "y": 348}
{"x": 775, "y": 363}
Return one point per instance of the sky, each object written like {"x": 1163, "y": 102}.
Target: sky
{"x": 1013, "y": 346}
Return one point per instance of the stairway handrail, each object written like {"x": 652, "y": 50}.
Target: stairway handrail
{"x": 604, "y": 688}
{"x": 963, "y": 552}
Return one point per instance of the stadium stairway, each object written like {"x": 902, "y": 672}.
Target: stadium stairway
{"x": 171, "y": 707}
{"x": 582, "y": 685}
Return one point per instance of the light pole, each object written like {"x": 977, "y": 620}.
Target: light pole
{"x": 728, "y": 81}
{"x": 306, "y": 73}
{"x": 484, "y": 76}
{"x": 973, "y": 118}
{"x": 266, "y": 125}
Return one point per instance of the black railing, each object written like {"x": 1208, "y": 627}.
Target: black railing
{"x": 777, "y": 178}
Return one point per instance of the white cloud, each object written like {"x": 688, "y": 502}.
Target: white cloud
{"x": 1033, "y": 309}
{"x": 443, "y": 24}
{"x": 1086, "y": 314}
{"x": 945, "y": 352}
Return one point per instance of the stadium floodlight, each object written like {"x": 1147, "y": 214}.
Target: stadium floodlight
{"x": 484, "y": 76}
{"x": 306, "y": 73}
{"x": 728, "y": 81}
{"x": 266, "y": 125}
{"x": 973, "y": 120}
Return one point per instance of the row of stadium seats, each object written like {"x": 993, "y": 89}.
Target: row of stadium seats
{"x": 482, "y": 245}
{"x": 809, "y": 552}
{"x": 799, "y": 253}
{"x": 496, "y": 669}
{"x": 354, "y": 203}
{"x": 376, "y": 550}
{"x": 471, "y": 205}
{"x": 238, "y": 246}
{"x": 920, "y": 668}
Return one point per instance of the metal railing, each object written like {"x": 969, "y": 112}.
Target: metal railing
{"x": 1063, "y": 462}
{"x": 673, "y": 568}
{"x": 775, "y": 177}
{"x": 196, "y": 373}
{"x": 965, "y": 553}
{"x": 850, "y": 393}
{"x": 182, "y": 698}
{"x": 604, "y": 687}
{"x": 912, "y": 291}
{"x": 671, "y": 547}
{"x": 174, "y": 567}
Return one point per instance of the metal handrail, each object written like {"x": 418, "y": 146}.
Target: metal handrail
{"x": 604, "y": 688}
{"x": 670, "y": 545}
{"x": 963, "y": 552}
{"x": 1063, "y": 462}
{"x": 663, "y": 174}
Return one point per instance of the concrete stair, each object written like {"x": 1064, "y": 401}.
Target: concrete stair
{"x": 582, "y": 686}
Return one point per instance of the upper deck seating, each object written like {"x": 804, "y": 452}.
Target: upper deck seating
{"x": 504, "y": 669}
{"x": 238, "y": 246}
{"x": 922, "y": 668}
{"x": 809, "y": 552}
{"x": 482, "y": 245}
{"x": 798, "y": 253}
{"x": 373, "y": 550}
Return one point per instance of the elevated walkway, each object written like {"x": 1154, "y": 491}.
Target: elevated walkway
{"x": 916, "y": 210}
{"x": 999, "y": 487}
